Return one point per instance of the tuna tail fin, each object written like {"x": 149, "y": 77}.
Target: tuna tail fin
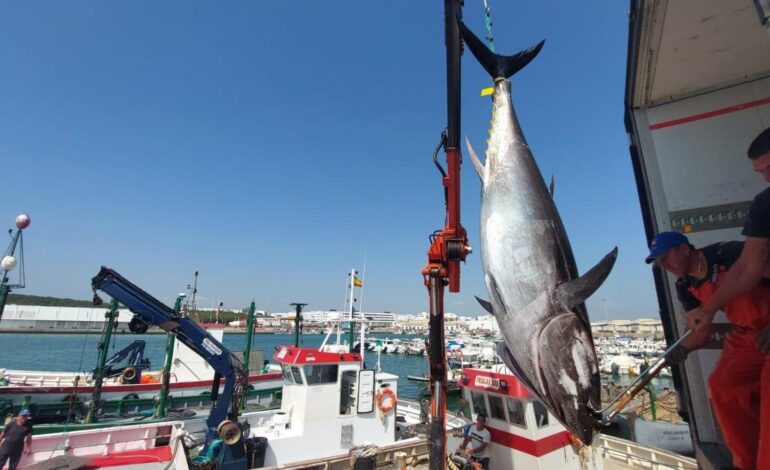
{"x": 576, "y": 291}
{"x": 498, "y": 66}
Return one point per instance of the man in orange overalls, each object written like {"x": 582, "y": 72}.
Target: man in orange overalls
{"x": 740, "y": 383}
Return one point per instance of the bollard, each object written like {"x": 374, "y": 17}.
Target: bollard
{"x": 399, "y": 461}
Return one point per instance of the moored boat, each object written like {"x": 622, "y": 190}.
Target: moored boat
{"x": 190, "y": 376}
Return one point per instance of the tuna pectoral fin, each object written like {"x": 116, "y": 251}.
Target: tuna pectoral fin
{"x": 505, "y": 354}
{"x": 475, "y": 159}
{"x": 498, "y": 66}
{"x": 575, "y": 292}
{"x": 486, "y": 304}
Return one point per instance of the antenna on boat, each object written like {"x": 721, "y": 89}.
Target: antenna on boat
{"x": 190, "y": 307}
{"x": 297, "y": 322}
{"x": 9, "y": 261}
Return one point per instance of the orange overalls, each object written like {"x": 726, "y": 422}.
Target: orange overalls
{"x": 740, "y": 384}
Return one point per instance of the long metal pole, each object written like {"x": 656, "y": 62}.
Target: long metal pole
{"x": 160, "y": 411}
{"x": 247, "y": 349}
{"x": 438, "y": 375}
{"x": 351, "y": 329}
{"x": 96, "y": 396}
{"x": 361, "y": 347}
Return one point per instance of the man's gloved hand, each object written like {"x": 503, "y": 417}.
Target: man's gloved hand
{"x": 763, "y": 340}
{"x": 677, "y": 355}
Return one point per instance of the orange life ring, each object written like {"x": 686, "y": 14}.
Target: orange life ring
{"x": 386, "y": 407}
{"x": 148, "y": 379}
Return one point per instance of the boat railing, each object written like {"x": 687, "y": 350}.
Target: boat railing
{"x": 42, "y": 379}
{"x": 108, "y": 441}
{"x": 640, "y": 456}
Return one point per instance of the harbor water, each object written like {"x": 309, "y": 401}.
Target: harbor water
{"x": 78, "y": 352}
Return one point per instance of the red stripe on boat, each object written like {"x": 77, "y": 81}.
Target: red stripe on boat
{"x": 536, "y": 448}
{"x": 132, "y": 457}
{"x": 710, "y": 114}
{"x": 127, "y": 387}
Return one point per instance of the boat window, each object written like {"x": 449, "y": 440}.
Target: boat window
{"x": 348, "y": 392}
{"x": 317, "y": 374}
{"x": 541, "y": 414}
{"x": 287, "y": 373}
{"x": 297, "y": 376}
{"x": 516, "y": 412}
{"x": 496, "y": 407}
{"x": 479, "y": 404}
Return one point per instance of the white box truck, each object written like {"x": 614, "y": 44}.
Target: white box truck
{"x": 697, "y": 93}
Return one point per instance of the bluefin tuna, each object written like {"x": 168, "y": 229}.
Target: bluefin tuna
{"x": 535, "y": 291}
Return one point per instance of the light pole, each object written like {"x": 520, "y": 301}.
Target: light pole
{"x": 606, "y": 316}
{"x": 9, "y": 261}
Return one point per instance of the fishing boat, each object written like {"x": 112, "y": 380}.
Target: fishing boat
{"x": 190, "y": 376}
{"x": 331, "y": 412}
{"x": 331, "y": 405}
{"x": 525, "y": 435}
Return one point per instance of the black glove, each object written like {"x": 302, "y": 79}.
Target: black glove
{"x": 677, "y": 355}
{"x": 763, "y": 340}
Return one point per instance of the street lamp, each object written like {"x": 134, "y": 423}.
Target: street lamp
{"x": 8, "y": 263}
{"x": 606, "y": 317}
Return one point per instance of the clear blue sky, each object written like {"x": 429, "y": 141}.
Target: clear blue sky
{"x": 271, "y": 145}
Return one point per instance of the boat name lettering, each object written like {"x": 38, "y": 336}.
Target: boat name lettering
{"x": 209, "y": 346}
{"x": 488, "y": 382}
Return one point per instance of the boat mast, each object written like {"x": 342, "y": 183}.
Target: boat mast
{"x": 361, "y": 348}
{"x": 351, "y": 301}
{"x": 9, "y": 261}
{"x": 297, "y": 322}
{"x": 247, "y": 349}
{"x": 96, "y": 396}
{"x": 160, "y": 411}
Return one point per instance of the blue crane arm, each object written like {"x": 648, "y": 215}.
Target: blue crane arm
{"x": 152, "y": 311}
{"x": 134, "y": 352}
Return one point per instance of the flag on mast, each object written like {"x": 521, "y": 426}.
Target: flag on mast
{"x": 357, "y": 282}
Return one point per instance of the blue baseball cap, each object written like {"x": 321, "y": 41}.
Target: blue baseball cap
{"x": 25, "y": 412}
{"x": 663, "y": 242}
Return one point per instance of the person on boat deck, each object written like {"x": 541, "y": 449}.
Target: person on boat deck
{"x": 479, "y": 438}
{"x": 15, "y": 439}
{"x": 740, "y": 383}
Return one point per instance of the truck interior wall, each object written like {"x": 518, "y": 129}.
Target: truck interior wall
{"x": 693, "y": 176}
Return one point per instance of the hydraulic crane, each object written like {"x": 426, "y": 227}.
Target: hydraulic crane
{"x": 450, "y": 245}
{"x": 147, "y": 310}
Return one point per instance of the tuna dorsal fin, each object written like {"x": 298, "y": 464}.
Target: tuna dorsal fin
{"x": 552, "y": 186}
{"x": 486, "y": 304}
{"x": 475, "y": 159}
{"x": 576, "y": 291}
{"x": 498, "y": 66}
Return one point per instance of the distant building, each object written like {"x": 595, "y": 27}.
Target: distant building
{"x": 377, "y": 319}
{"x": 642, "y": 326}
{"x": 35, "y": 318}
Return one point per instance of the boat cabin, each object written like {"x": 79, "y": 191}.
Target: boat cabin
{"x": 524, "y": 434}
{"x": 330, "y": 404}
